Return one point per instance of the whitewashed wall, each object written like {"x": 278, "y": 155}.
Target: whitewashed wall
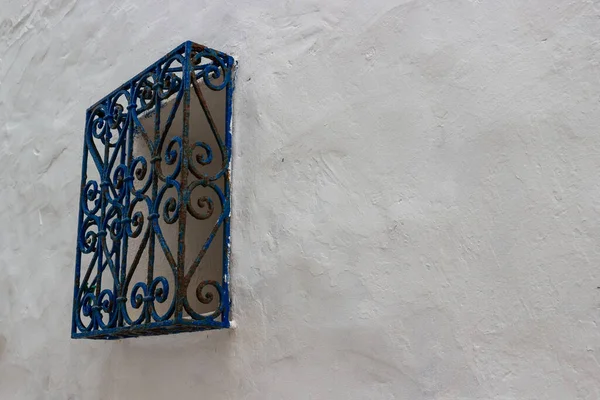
{"x": 416, "y": 187}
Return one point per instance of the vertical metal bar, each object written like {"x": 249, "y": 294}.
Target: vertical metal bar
{"x": 120, "y": 250}
{"x": 127, "y": 181}
{"x": 154, "y": 218}
{"x": 184, "y": 195}
{"x": 227, "y": 184}
{"x": 104, "y": 178}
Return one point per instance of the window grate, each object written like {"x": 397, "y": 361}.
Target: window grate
{"x": 153, "y": 231}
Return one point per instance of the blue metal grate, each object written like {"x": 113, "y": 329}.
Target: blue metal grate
{"x": 153, "y": 231}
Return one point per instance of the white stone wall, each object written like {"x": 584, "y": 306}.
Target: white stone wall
{"x": 416, "y": 188}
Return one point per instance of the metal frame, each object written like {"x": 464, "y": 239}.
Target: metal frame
{"x": 108, "y": 218}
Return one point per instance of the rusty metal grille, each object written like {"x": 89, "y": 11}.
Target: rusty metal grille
{"x": 153, "y": 230}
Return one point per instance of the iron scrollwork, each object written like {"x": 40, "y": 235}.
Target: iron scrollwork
{"x": 129, "y": 198}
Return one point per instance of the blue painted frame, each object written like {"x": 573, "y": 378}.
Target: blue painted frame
{"x": 107, "y": 215}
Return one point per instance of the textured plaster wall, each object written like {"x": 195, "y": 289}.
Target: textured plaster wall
{"x": 416, "y": 187}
